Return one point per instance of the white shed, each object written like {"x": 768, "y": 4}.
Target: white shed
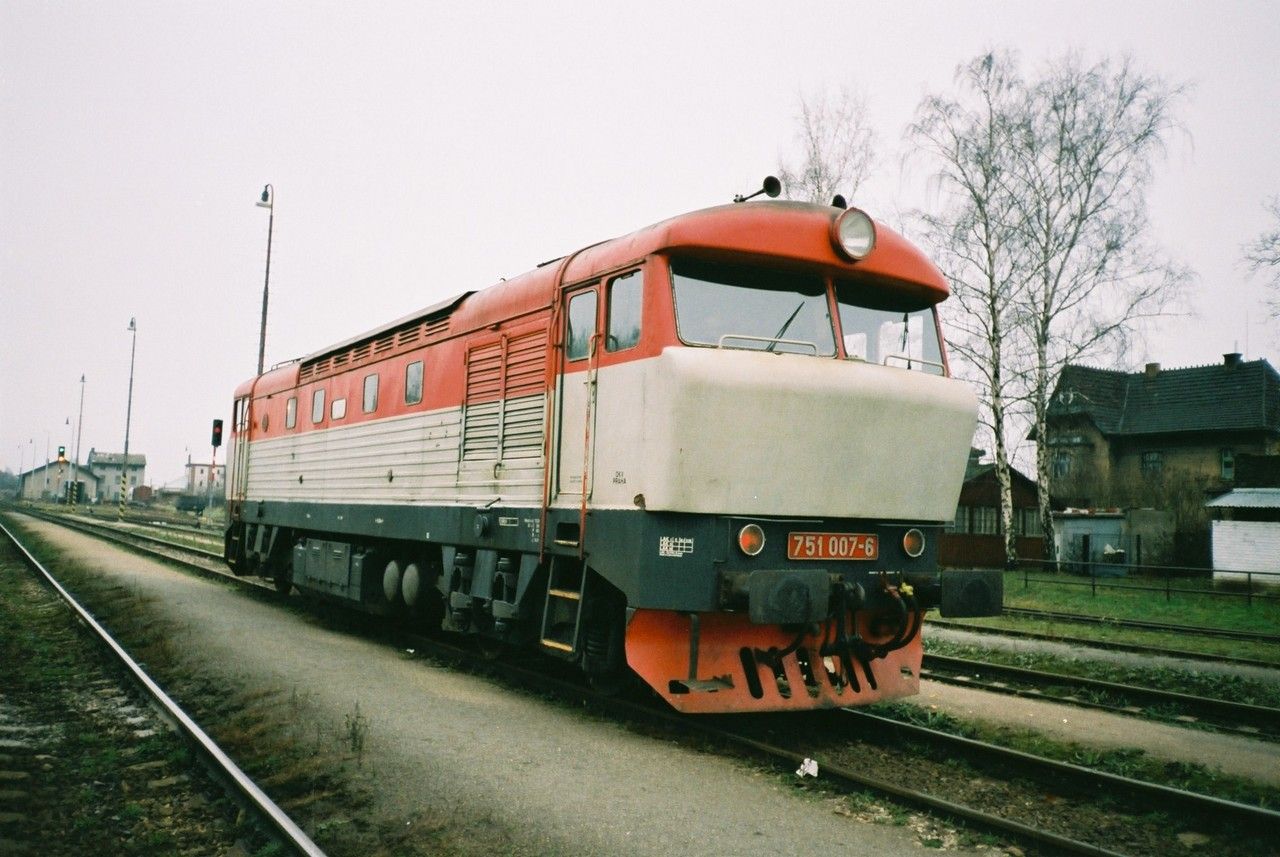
{"x": 1246, "y": 534}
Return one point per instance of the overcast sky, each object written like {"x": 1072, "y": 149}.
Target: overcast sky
{"x": 422, "y": 149}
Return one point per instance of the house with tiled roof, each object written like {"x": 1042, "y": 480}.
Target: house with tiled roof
{"x": 1159, "y": 436}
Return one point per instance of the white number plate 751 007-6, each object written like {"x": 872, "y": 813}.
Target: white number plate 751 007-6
{"x": 832, "y": 546}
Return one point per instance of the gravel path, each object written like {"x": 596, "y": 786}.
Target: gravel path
{"x": 517, "y": 773}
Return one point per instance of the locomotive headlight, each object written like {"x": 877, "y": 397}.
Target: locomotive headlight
{"x": 751, "y": 539}
{"x": 913, "y": 542}
{"x": 854, "y": 234}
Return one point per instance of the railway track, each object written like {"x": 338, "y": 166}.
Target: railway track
{"x": 243, "y": 788}
{"x": 1051, "y": 773}
{"x": 1138, "y": 624}
{"x": 1106, "y": 645}
{"x": 1130, "y": 699}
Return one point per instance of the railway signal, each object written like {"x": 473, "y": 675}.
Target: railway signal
{"x": 217, "y": 433}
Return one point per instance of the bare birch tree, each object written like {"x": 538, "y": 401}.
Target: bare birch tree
{"x": 1047, "y": 239}
{"x": 1086, "y": 147}
{"x": 836, "y": 148}
{"x": 975, "y": 238}
{"x": 1262, "y": 255}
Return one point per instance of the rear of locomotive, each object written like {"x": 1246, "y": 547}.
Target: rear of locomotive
{"x": 767, "y": 480}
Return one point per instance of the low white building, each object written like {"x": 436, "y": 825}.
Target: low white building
{"x": 1246, "y": 535}
{"x": 48, "y": 482}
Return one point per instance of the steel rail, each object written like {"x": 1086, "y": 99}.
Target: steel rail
{"x": 117, "y": 534}
{"x": 1199, "y": 630}
{"x": 531, "y": 678}
{"x": 248, "y": 790}
{"x": 1101, "y": 781}
{"x": 1234, "y": 712}
{"x": 1179, "y": 654}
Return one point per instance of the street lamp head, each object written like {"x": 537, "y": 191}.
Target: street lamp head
{"x": 133, "y": 324}
{"x": 266, "y": 201}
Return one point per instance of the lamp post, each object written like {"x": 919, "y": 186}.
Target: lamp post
{"x": 128, "y": 417}
{"x": 75, "y": 464}
{"x": 267, "y": 202}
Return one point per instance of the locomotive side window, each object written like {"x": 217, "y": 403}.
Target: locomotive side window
{"x": 413, "y": 383}
{"x": 888, "y": 331}
{"x": 370, "y": 393}
{"x": 291, "y": 412}
{"x": 625, "y": 300}
{"x": 338, "y": 409}
{"x": 752, "y": 308}
{"x": 582, "y": 325}
{"x": 317, "y": 406}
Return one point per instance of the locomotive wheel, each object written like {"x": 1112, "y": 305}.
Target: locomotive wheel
{"x": 491, "y": 649}
{"x": 283, "y": 580}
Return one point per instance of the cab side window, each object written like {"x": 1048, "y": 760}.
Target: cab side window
{"x": 291, "y": 412}
{"x": 625, "y": 301}
{"x": 413, "y": 383}
{"x": 317, "y": 406}
{"x": 581, "y": 325}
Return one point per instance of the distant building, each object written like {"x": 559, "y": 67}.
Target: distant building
{"x": 198, "y": 479}
{"x": 975, "y": 539}
{"x": 48, "y": 482}
{"x": 107, "y": 467}
{"x": 1115, "y": 437}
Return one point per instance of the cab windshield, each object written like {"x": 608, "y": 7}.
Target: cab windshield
{"x": 884, "y": 329}
{"x": 752, "y": 308}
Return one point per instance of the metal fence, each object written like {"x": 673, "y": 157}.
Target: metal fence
{"x": 1172, "y": 580}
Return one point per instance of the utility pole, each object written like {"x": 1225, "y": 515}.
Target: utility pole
{"x": 128, "y": 417}
{"x": 268, "y": 202}
{"x": 75, "y": 464}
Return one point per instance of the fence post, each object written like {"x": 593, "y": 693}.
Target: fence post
{"x": 1026, "y": 577}
{"x": 1168, "y": 574}
{"x": 1248, "y": 588}
{"x": 1093, "y": 578}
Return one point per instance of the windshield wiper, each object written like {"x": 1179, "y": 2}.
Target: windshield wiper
{"x": 782, "y": 330}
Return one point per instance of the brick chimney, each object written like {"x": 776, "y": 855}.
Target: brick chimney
{"x": 1153, "y": 369}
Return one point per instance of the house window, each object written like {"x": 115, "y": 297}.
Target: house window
{"x": 291, "y": 412}
{"x": 1031, "y": 522}
{"x": 370, "y": 393}
{"x": 1152, "y": 464}
{"x": 1228, "y": 458}
{"x": 317, "y": 406}
{"x": 986, "y": 520}
{"x": 413, "y": 383}
{"x": 1061, "y": 465}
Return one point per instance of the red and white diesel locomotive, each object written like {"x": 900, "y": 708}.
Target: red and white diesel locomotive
{"x": 717, "y": 451}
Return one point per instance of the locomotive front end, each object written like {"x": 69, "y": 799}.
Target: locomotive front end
{"x": 800, "y": 447}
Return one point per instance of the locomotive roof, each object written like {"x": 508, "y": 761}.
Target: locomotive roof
{"x": 443, "y": 308}
{"x": 780, "y": 231}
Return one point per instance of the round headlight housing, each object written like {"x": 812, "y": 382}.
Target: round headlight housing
{"x": 751, "y": 539}
{"x": 913, "y": 543}
{"x": 853, "y": 234}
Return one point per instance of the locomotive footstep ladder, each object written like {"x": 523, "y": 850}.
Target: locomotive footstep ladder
{"x": 562, "y": 613}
